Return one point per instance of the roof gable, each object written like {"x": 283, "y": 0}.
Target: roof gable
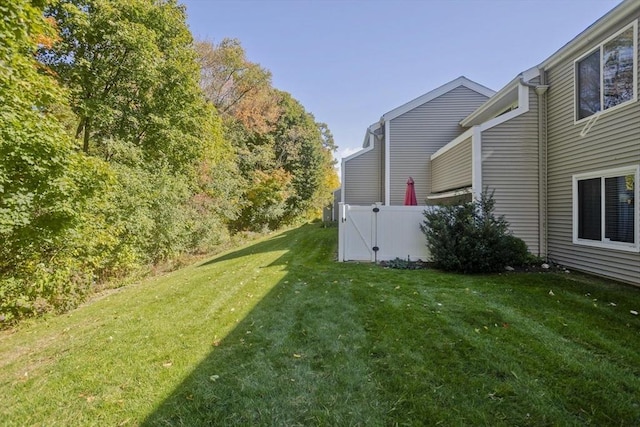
{"x": 448, "y": 87}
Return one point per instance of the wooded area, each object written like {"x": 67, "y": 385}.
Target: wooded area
{"x": 126, "y": 143}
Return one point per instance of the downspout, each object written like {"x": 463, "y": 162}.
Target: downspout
{"x": 541, "y": 90}
{"x": 387, "y": 160}
{"x": 476, "y": 162}
{"x": 542, "y": 123}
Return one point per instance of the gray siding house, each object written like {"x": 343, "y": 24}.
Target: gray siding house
{"x": 501, "y": 152}
{"x": 593, "y": 148}
{"x": 560, "y": 147}
{"x": 401, "y": 143}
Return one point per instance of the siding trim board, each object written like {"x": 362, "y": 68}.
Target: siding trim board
{"x": 460, "y": 139}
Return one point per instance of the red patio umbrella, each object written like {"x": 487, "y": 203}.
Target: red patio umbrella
{"x": 410, "y": 194}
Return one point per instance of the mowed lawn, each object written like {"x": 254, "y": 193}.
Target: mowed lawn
{"x": 277, "y": 333}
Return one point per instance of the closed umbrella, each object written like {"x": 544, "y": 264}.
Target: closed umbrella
{"x": 410, "y": 194}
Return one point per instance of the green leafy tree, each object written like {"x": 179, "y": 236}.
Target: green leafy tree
{"x": 44, "y": 182}
{"x": 304, "y": 148}
{"x": 131, "y": 71}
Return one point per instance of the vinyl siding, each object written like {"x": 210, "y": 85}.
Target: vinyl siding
{"x": 364, "y": 177}
{"x": 452, "y": 169}
{"x": 417, "y": 134}
{"x": 613, "y": 141}
{"x": 510, "y": 169}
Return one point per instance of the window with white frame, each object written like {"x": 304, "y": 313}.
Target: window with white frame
{"x": 606, "y": 77}
{"x": 605, "y": 208}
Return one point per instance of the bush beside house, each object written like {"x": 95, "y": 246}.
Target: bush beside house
{"x": 470, "y": 238}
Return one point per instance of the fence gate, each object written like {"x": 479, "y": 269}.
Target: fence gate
{"x": 378, "y": 233}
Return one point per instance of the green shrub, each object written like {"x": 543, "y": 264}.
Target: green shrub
{"x": 469, "y": 238}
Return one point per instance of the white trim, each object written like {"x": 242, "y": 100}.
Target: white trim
{"x": 498, "y": 98}
{"x": 608, "y": 173}
{"x": 371, "y": 129}
{"x": 369, "y": 147}
{"x": 448, "y": 87}
{"x": 599, "y": 47}
{"x": 530, "y": 74}
{"x": 459, "y": 140}
{"x": 523, "y": 107}
{"x": 452, "y": 193}
{"x": 341, "y": 231}
{"x": 476, "y": 162}
{"x": 594, "y": 31}
{"x": 387, "y": 163}
{"x": 361, "y": 152}
{"x": 342, "y": 183}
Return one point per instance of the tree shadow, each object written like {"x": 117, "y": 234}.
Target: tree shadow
{"x": 283, "y": 363}
{"x": 264, "y": 246}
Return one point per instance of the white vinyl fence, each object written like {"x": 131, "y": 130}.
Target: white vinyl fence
{"x": 380, "y": 233}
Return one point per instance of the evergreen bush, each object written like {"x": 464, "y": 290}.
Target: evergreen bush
{"x": 470, "y": 238}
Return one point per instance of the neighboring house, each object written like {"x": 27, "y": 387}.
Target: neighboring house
{"x": 560, "y": 147}
{"x": 400, "y": 144}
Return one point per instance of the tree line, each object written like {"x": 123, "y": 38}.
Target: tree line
{"x": 124, "y": 142}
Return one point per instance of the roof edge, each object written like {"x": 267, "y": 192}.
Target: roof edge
{"x": 593, "y": 31}
{"x": 507, "y": 90}
{"x": 439, "y": 91}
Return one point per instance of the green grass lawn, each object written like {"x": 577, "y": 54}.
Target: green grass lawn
{"x": 277, "y": 333}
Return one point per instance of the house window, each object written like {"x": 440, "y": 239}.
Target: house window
{"x": 605, "y": 209}
{"x": 606, "y": 76}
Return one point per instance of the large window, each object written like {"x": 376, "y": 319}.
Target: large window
{"x": 606, "y": 76}
{"x": 605, "y": 208}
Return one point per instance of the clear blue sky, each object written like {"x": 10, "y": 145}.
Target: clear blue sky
{"x": 348, "y": 62}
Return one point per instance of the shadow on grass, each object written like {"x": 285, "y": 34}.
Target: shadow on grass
{"x": 264, "y": 246}
{"x": 335, "y": 344}
{"x": 283, "y": 363}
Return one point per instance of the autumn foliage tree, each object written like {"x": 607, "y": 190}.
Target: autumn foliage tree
{"x": 284, "y": 155}
{"x": 125, "y": 144}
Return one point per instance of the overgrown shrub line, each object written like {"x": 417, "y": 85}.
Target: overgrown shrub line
{"x": 116, "y": 154}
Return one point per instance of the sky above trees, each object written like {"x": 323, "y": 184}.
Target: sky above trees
{"x": 351, "y": 61}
